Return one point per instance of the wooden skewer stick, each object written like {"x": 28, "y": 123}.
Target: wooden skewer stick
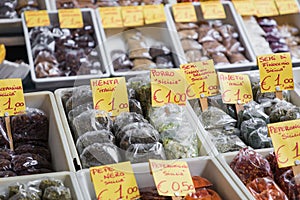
{"x": 203, "y": 102}
{"x": 8, "y": 129}
{"x": 239, "y": 107}
{"x": 278, "y": 93}
{"x": 296, "y": 172}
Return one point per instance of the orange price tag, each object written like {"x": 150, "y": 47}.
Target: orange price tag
{"x": 70, "y": 18}
{"x": 172, "y": 177}
{"x": 154, "y": 14}
{"x": 133, "y": 16}
{"x": 276, "y": 73}
{"x": 213, "y": 10}
{"x": 111, "y": 17}
{"x": 202, "y": 79}
{"x": 2, "y": 52}
{"x": 110, "y": 95}
{"x": 37, "y": 18}
{"x": 285, "y": 138}
{"x": 167, "y": 86}
{"x": 114, "y": 181}
{"x": 11, "y": 97}
{"x": 235, "y": 88}
{"x": 244, "y": 7}
{"x": 184, "y": 12}
{"x": 287, "y": 6}
{"x": 265, "y": 8}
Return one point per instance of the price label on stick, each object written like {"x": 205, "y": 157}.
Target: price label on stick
{"x": 2, "y": 53}
{"x": 154, "y": 14}
{"x": 70, "y": 18}
{"x": 172, "y": 177}
{"x": 37, "y": 18}
{"x": 244, "y": 7}
{"x": 265, "y": 8}
{"x": 286, "y": 138}
{"x": 184, "y": 12}
{"x": 111, "y": 17}
{"x": 202, "y": 79}
{"x": 287, "y": 6}
{"x": 235, "y": 88}
{"x": 213, "y": 10}
{"x": 11, "y": 97}
{"x": 110, "y": 95}
{"x": 167, "y": 86}
{"x": 276, "y": 72}
{"x": 114, "y": 182}
{"x": 133, "y": 16}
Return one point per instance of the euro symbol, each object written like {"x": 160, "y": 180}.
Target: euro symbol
{"x": 155, "y": 97}
{"x": 159, "y": 187}
{"x": 278, "y": 155}
{"x": 263, "y": 83}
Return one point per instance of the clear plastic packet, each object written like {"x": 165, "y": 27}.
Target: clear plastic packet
{"x": 284, "y": 114}
{"x": 216, "y": 101}
{"x": 137, "y": 133}
{"x": 62, "y": 193}
{"x": 63, "y": 4}
{"x": 46, "y": 69}
{"x": 248, "y": 165}
{"x": 207, "y": 34}
{"x": 25, "y": 195}
{"x": 7, "y": 9}
{"x": 159, "y": 50}
{"x": 184, "y": 26}
{"x": 228, "y": 31}
{"x": 215, "y": 118}
{"x": 226, "y": 130}
{"x": 252, "y": 110}
{"x": 188, "y": 44}
{"x": 4, "y": 141}
{"x": 120, "y": 60}
{"x": 5, "y": 165}
{"x": 34, "y": 149}
{"x": 133, "y": 34}
{"x": 142, "y": 53}
{"x": 163, "y": 62}
{"x": 220, "y": 58}
{"x": 188, "y": 34}
{"x": 15, "y": 188}
{"x": 45, "y": 56}
{"x": 287, "y": 183}
{"x": 214, "y": 47}
{"x": 126, "y": 118}
{"x": 48, "y": 182}
{"x": 137, "y": 153}
{"x": 271, "y": 157}
{"x": 228, "y": 143}
{"x": 91, "y": 120}
{"x": 32, "y": 125}
{"x": 79, "y": 109}
{"x": 233, "y": 45}
{"x": 195, "y": 56}
{"x": 7, "y": 173}
{"x": 80, "y": 95}
{"x": 266, "y": 189}
{"x": 6, "y": 154}
{"x": 143, "y": 64}
{"x": 3, "y": 196}
{"x": 99, "y": 136}
{"x": 235, "y": 58}
{"x": 150, "y": 193}
{"x": 100, "y": 154}
{"x": 41, "y": 35}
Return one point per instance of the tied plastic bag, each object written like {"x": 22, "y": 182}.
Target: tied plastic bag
{"x": 80, "y": 95}
{"x": 62, "y": 193}
{"x": 288, "y": 185}
{"x": 248, "y": 165}
{"x": 126, "y": 118}
{"x": 137, "y": 153}
{"x": 266, "y": 189}
{"x": 7, "y": 9}
{"x": 215, "y": 118}
{"x": 271, "y": 157}
{"x": 228, "y": 143}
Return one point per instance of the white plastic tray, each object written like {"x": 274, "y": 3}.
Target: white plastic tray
{"x": 231, "y": 18}
{"x": 69, "y": 179}
{"x": 56, "y": 82}
{"x": 204, "y": 149}
{"x": 160, "y": 32}
{"x": 60, "y": 155}
{"x": 206, "y": 167}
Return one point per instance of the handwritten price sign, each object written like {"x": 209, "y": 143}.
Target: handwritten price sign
{"x": 37, "y": 18}
{"x": 110, "y": 95}
{"x": 202, "y": 79}
{"x": 285, "y": 138}
{"x": 133, "y": 16}
{"x": 154, "y": 14}
{"x": 275, "y": 71}
{"x": 114, "y": 182}
{"x": 70, "y": 18}
{"x": 184, "y": 12}
{"x": 213, "y": 10}
{"x": 287, "y": 6}
{"x": 244, "y": 7}
{"x": 11, "y": 97}
{"x": 172, "y": 177}
{"x": 265, "y": 8}
{"x": 235, "y": 88}
{"x": 2, "y": 52}
{"x": 167, "y": 86}
{"x": 111, "y": 17}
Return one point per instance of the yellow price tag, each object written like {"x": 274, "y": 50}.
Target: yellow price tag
{"x": 2, "y": 52}
{"x": 244, "y": 7}
{"x": 116, "y": 181}
{"x": 213, "y": 10}
{"x": 11, "y": 97}
{"x": 202, "y": 79}
{"x": 110, "y": 95}
{"x": 235, "y": 88}
{"x": 265, "y": 8}
{"x": 70, "y": 18}
{"x": 111, "y": 17}
{"x": 167, "y": 86}
{"x": 285, "y": 138}
{"x": 287, "y": 6}
{"x": 37, "y": 18}
{"x": 133, "y": 16}
{"x": 154, "y": 14}
{"x": 276, "y": 73}
{"x": 172, "y": 177}
{"x": 184, "y": 12}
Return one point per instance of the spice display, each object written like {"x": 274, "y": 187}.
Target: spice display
{"x": 44, "y": 189}
{"x": 211, "y": 40}
{"x": 31, "y": 153}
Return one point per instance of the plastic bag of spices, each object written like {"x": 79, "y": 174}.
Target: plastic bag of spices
{"x": 7, "y": 9}
{"x": 288, "y": 185}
